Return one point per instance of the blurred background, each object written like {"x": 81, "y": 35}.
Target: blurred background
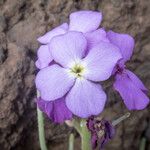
{"x": 21, "y": 22}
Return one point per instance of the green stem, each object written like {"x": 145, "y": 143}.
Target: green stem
{"x": 85, "y": 136}
{"x": 41, "y": 131}
{"x": 143, "y": 144}
{"x": 76, "y": 125}
{"x": 71, "y": 142}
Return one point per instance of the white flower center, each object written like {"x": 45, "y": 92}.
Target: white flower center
{"x": 77, "y": 69}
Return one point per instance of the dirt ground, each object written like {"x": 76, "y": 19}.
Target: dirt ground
{"x": 21, "y": 22}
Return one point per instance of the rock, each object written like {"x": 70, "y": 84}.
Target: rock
{"x": 15, "y": 72}
{"x": 2, "y": 54}
{"x": 2, "y": 23}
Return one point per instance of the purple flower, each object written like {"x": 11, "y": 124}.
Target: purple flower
{"x": 101, "y": 131}
{"x": 75, "y": 72}
{"x": 56, "y": 110}
{"x": 127, "y": 83}
{"x": 86, "y": 22}
{"x": 79, "y": 21}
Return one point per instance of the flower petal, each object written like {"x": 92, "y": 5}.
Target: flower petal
{"x": 125, "y": 43}
{"x": 136, "y": 81}
{"x": 53, "y": 82}
{"x": 45, "y": 39}
{"x": 132, "y": 96}
{"x": 85, "y": 21}
{"x": 86, "y": 98}
{"x": 56, "y": 110}
{"x": 44, "y": 57}
{"x": 68, "y": 48}
{"x": 95, "y": 37}
{"x": 101, "y": 61}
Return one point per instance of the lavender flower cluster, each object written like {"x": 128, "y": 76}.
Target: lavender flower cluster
{"x": 74, "y": 58}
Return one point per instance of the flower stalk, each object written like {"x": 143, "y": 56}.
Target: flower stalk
{"x": 143, "y": 144}
{"x": 85, "y": 136}
{"x": 77, "y": 126}
{"x": 81, "y": 128}
{"x": 41, "y": 131}
{"x": 71, "y": 141}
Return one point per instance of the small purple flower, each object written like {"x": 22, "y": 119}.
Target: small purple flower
{"x": 101, "y": 131}
{"x": 56, "y": 110}
{"x": 75, "y": 72}
{"x": 86, "y": 22}
{"x": 127, "y": 83}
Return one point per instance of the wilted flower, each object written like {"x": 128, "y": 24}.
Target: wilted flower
{"x": 127, "y": 83}
{"x": 101, "y": 131}
{"x": 74, "y": 74}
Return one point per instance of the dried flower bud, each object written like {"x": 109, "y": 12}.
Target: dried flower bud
{"x": 101, "y": 131}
